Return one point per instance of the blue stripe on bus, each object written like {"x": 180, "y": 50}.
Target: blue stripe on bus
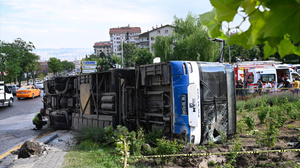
{"x": 180, "y": 82}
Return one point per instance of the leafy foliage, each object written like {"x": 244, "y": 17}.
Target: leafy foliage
{"x": 54, "y": 65}
{"x": 142, "y": 56}
{"x": 165, "y": 146}
{"x": 16, "y": 58}
{"x": 189, "y": 41}
{"x": 272, "y": 23}
{"x": 249, "y": 120}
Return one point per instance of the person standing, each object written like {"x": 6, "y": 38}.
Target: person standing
{"x": 268, "y": 86}
{"x": 38, "y": 119}
{"x": 259, "y": 86}
{"x": 240, "y": 86}
{"x": 296, "y": 87}
{"x": 274, "y": 85}
{"x": 286, "y": 84}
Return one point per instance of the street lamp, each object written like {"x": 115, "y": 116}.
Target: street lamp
{"x": 122, "y": 50}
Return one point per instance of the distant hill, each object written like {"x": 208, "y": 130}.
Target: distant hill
{"x": 69, "y": 54}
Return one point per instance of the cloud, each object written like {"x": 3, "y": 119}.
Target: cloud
{"x": 80, "y": 23}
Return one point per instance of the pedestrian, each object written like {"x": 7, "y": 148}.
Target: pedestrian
{"x": 240, "y": 85}
{"x": 274, "y": 85}
{"x": 268, "y": 86}
{"x": 296, "y": 87}
{"x": 38, "y": 119}
{"x": 286, "y": 84}
{"x": 259, "y": 86}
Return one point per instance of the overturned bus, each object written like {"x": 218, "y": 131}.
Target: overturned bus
{"x": 193, "y": 100}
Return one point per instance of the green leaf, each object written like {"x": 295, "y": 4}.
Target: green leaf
{"x": 226, "y": 9}
{"x": 249, "y": 6}
{"x": 284, "y": 19}
{"x": 286, "y": 47}
{"x": 257, "y": 20}
{"x": 241, "y": 38}
{"x": 268, "y": 50}
{"x": 209, "y": 20}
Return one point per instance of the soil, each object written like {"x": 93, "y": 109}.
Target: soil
{"x": 287, "y": 139}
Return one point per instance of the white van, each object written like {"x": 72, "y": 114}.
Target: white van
{"x": 6, "y": 97}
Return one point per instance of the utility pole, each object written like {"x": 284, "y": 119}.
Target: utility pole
{"x": 122, "y": 50}
{"x": 229, "y": 54}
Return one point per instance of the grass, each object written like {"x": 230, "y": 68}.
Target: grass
{"x": 90, "y": 154}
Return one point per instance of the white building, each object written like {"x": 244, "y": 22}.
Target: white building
{"x": 147, "y": 39}
{"x": 103, "y": 46}
{"x": 127, "y": 34}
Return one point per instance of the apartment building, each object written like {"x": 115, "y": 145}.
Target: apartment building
{"x": 127, "y": 34}
{"x": 147, "y": 39}
{"x": 103, "y": 46}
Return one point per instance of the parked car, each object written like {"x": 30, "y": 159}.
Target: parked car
{"x": 28, "y": 91}
{"x": 40, "y": 85}
{"x": 13, "y": 89}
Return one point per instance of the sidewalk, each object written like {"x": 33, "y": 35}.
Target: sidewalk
{"x": 52, "y": 157}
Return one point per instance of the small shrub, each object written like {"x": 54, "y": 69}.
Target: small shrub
{"x": 263, "y": 113}
{"x": 211, "y": 163}
{"x": 250, "y": 104}
{"x": 109, "y": 135}
{"x": 151, "y": 137}
{"x": 240, "y": 127}
{"x": 137, "y": 142}
{"x": 202, "y": 147}
{"x": 240, "y": 105}
{"x": 249, "y": 120}
{"x": 165, "y": 146}
{"x": 237, "y": 146}
{"x": 211, "y": 144}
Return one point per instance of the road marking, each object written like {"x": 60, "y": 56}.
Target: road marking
{"x": 17, "y": 147}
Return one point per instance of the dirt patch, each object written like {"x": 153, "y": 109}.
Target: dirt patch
{"x": 286, "y": 140}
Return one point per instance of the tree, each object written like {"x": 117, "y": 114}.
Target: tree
{"x": 4, "y": 49}
{"x": 54, "y": 65}
{"x": 274, "y": 23}
{"x": 21, "y": 56}
{"x": 66, "y": 65}
{"x": 189, "y": 41}
{"x": 128, "y": 49}
{"x": 163, "y": 48}
{"x": 192, "y": 41}
{"x": 241, "y": 52}
{"x": 142, "y": 56}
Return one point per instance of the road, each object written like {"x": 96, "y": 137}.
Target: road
{"x": 16, "y": 123}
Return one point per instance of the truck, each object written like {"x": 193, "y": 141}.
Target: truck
{"x": 191, "y": 100}
{"x": 6, "y": 96}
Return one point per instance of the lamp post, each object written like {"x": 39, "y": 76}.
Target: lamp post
{"x": 122, "y": 51}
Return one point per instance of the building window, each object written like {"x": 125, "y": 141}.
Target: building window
{"x": 166, "y": 31}
{"x": 158, "y": 31}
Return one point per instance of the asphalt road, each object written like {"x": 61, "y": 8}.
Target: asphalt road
{"x": 16, "y": 123}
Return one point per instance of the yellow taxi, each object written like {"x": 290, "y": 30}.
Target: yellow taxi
{"x": 28, "y": 91}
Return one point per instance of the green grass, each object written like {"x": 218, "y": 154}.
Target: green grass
{"x": 90, "y": 154}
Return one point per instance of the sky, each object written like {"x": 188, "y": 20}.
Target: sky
{"x": 81, "y": 23}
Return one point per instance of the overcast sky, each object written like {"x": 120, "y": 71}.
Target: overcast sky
{"x": 80, "y": 23}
